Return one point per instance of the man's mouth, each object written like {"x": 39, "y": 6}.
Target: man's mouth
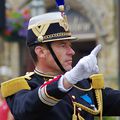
{"x": 69, "y": 62}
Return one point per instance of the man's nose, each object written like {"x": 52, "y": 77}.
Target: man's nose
{"x": 71, "y": 51}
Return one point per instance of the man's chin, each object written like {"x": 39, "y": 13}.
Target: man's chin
{"x": 68, "y": 68}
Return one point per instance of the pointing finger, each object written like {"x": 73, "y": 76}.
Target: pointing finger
{"x": 96, "y": 50}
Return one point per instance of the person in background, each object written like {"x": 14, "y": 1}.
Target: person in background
{"x": 5, "y": 113}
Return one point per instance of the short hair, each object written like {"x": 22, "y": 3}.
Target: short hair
{"x": 32, "y": 51}
{"x": 33, "y": 54}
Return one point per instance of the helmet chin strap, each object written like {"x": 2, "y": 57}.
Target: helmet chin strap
{"x": 55, "y": 57}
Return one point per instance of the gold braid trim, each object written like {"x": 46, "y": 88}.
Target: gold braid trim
{"x": 80, "y": 117}
{"x": 82, "y": 89}
{"x": 74, "y": 116}
{"x": 62, "y": 34}
{"x": 94, "y": 112}
{"x": 101, "y": 105}
{"x": 98, "y": 94}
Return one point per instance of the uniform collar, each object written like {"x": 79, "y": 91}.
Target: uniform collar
{"x": 43, "y": 74}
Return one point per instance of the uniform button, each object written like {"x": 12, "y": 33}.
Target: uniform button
{"x": 73, "y": 96}
{"x": 79, "y": 109}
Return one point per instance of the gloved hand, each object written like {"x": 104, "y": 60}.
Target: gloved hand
{"x": 84, "y": 68}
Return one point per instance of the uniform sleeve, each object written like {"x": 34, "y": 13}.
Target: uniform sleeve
{"x": 111, "y": 102}
{"x": 27, "y": 102}
{"x": 49, "y": 93}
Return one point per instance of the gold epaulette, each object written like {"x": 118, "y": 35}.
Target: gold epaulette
{"x": 12, "y": 86}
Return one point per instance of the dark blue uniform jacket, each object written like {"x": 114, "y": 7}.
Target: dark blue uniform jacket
{"x": 27, "y": 105}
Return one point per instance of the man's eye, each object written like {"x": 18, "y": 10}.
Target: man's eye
{"x": 62, "y": 45}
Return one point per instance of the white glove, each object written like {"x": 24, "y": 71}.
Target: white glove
{"x": 84, "y": 68}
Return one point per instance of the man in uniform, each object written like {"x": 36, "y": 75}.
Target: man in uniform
{"x": 55, "y": 90}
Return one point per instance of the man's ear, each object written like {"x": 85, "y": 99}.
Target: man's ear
{"x": 40, "y": 51}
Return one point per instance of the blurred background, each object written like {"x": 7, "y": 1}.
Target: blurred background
{"x": 92, "y": 21}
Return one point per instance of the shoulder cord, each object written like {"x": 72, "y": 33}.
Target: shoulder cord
{"x": 82, "y": 89}
{"x": 98, "y": 94}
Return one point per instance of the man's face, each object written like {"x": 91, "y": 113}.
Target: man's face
{"x": 64, "y": 53}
